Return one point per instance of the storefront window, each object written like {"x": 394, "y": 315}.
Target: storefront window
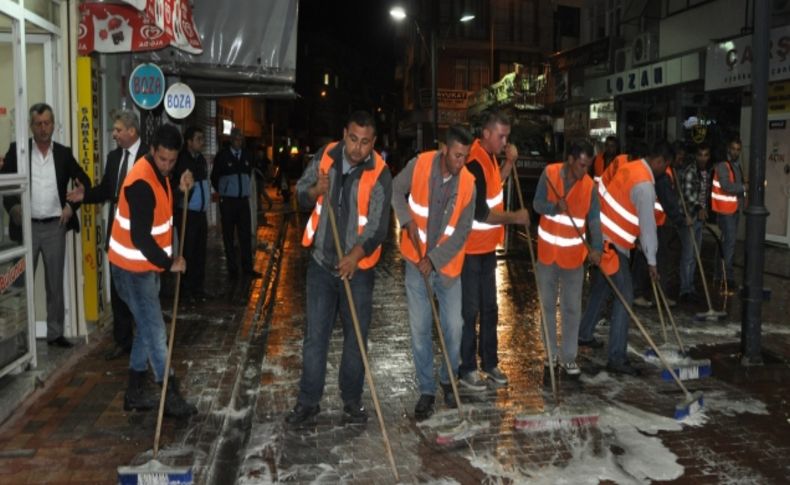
{"x": 11, "y": 235}
{"x": 44, "y": 8}
{"x": 13, "y": 310}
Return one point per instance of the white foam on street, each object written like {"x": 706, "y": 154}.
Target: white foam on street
{"x": 232, "y": 413}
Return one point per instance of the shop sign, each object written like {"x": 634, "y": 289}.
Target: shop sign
{"x": 87, "y": 141}
{"x": 109, "y": 28}
{"x": 147, "y": 86}
{"x": 729, "y": 64}
{"x": 447, "y": 98}
{"x": 652, "y": 76}
{"x": 179, "y": 101}
{"x": 779, "y": 98}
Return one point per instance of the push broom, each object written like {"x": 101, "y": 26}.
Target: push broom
{"x": 466, "y": 428}
{"x": 155, "y": 472}
{"x": 691, "y": 403}
{"x": 710, "y": 315}
{"x": 552, "y": 421}
{"x": 687, "y": 368}
{"x": 361, "y": 342}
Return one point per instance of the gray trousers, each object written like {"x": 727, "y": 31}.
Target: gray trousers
{"x": 49, "y": 238}
{"x": 551, "y": 279}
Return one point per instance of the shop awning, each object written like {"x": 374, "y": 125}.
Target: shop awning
{"x": 137, "y": 25}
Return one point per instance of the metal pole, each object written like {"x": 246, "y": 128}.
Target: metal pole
{"x": 756, "y": 213}
{"x": 434, "y": 56}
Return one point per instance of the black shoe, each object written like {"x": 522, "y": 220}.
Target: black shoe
{"x": 592, "y": 343}
{"x": 60, "y": 342}
{"x": 355, "y": 413}
{"x": 252, "y": 274}
{"x": 449, "y": 396}
{"x": 137, "y": 397}
{"x": 299, "y": 414}
{"x": 424, "y": 407}
{"x": 623, "y": 369}
{"x": 115, "y": 352}
{"x": 175, "y": 404}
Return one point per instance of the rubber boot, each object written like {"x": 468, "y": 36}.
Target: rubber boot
{"x": 136, "y": 398}
{"x": 175, "y": 404}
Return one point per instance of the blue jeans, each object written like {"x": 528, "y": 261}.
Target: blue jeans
{"x": 688, "y": 261}
{"x": 140, "y": 291}
{"x": 728, "y": 223}
{"x": 478, "y": 285}
{"x": 421, "y": 323}
{"x": 618, "y": 327}
{"x": 326, "y": 297}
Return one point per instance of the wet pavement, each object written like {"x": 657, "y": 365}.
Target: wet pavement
{"x": 239, "y": 357}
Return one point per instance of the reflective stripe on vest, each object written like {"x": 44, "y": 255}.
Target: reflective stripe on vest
{"x": 558, "y": 240}
{"x": 122, "y": 251}
{"x": 661, "y": 216}
{"x": 419, "y": 200}
{"x": 721, "y": 201}
{"x": 619, "y": 217}
{"x": 484, "y": 237}
{"x": 365, "y": 186}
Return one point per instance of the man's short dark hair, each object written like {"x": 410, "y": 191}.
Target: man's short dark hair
{"x": 363, "y": 119}
{"x": 578, "y": 147}
{"x": 40, "y": 109}
{"x": 614, "y": 139}
{"x": 167, "y": 136}
{"x": 661, "y": 149}
{"x": 458, "y": 134}
{"x": 679, "y": 146}
{"x": 734, "y": 138}
{"x": 703, "y": 146}
{"x": 191, "y": 132}
{"x": 490, "y": 118}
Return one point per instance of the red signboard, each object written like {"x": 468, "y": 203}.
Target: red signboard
{"x": 175, "y": 18}
{"x": 108, "y": 27}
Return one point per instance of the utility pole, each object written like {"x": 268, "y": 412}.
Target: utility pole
{"x": 756, "y": 213}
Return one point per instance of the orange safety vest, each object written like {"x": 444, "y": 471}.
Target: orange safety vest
{"x": 419, "y": 207}
{"x": 619, "y": 217}
{"x": 723, "y": 202}
{"x": 366, "y": 183}
{"x": 558, "y": 240}
{"x": 484, "y": 238}
{"x": 122, "y": 252}
{"x": 612, "y": 168}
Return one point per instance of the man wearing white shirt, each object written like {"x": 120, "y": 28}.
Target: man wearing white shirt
{"x": 52, "y": 166}
{"x": 126, "y": 133}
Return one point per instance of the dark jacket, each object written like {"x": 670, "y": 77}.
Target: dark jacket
{"x": 231, "y": 177}
{"x": 107, "y": 189}
{"x": 66, "y": 169}
{"x": 200, "y": 194}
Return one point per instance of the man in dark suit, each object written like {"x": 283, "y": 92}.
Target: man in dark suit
{"x": 126, "y": 133}
{"x": 230, "y": 176}
{"x": 51, "y": 167}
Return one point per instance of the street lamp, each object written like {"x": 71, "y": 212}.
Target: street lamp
{"x": 398, "y": 13}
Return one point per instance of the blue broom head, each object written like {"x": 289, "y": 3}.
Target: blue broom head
{"x": 695, "y": 370}
{"x": 155, "y": 473}
{"x": 690, "y": 406}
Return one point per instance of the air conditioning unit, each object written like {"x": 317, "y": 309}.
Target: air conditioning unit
{"x": 644, "y": 49}
{"x": 622, "y": 59}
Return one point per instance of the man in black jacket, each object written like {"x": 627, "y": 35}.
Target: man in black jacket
{"x": 51, "y": 167}
{"x": 230, "y": 176}
{"x": 196, "y": 232}
{"x": 126, "y": 133}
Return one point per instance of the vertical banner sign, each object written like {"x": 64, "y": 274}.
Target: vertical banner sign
{"x": 88, "y": 212}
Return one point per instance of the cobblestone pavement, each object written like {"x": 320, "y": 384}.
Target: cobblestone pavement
{"x": 239, "y": 355}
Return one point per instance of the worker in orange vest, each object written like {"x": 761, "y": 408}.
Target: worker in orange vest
{"x": 565, "y": 196}
{"x": 727, "y": 197}
{"x": 358, "y": 185}
{"x": 479, "y": 274}
{"x": 140, "y": 250}
{"x": 627, "y": 213}
{"x": 604, "y": 159}
{"x": 433, "y": 198}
